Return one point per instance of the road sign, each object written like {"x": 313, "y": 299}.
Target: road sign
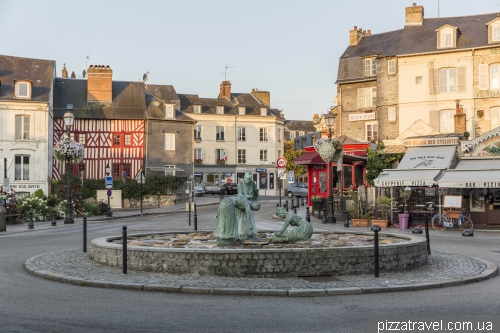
{"x": 6, "y": 185}
{"x": 109, "y": 182}
{"x": 109, "y": 192}
{"x": 291, "y": 177}
{"x": 140, "y": 178}
{"x": 281, "y": 162}
{"x": 281, "y": 174}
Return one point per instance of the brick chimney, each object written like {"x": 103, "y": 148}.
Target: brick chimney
{"x": 225, "y": 90}
{"x": 263, "y": 96}
{"x": 64, "y": 72}
{"x": 73, "y": 75}
{"x": 315, "y": 118}
{"x": 355, "y": 35}
{"x": 99, "y": 84}
{"x": 459, "y": 118}
{"x": 414, "y": 15}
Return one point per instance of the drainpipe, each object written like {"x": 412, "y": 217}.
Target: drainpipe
{"x": 473, "y": 118}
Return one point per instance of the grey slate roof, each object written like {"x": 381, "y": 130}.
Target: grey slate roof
{"x": 300, "y": 125}
{"x": 39, "y": 72}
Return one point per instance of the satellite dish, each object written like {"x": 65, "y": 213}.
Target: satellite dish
{"x": 84, "y": 74}
{"x": 145, "y": 77}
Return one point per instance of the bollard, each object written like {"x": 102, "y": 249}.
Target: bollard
{"x": 30, "y": 224}
{"x": 427, "y": 235}
{"x": 54, "y": 222}
{"x": 302, "y": 202}
{"x": 286, "y": 205}
{"x": 189, "y": 210}
{"x": 308, "y": 216}
{"x": 124, "y": 255}
{"x": 323, "y": 220}
{"x": 195, "y": 219}
{"x": 346, "y": 219}
{"x": 293, "y": 203}
{"x": 416, "y": 230}
{"x": 376, "y": 229}
{"x": 295, "y": 208}
{"x": 221, "y": 193}
{"x": 277, "y": 205}
{"x": 85, "y": 233}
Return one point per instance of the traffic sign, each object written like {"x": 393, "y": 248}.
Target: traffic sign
{"x": 109, "y": 192}
{"x": 109, "y": 182}
{"x": 281, "y": 174}
{"x": 291, "y": 177}
{"x": 281, "y": 162}
{"x": 6, "y": 185}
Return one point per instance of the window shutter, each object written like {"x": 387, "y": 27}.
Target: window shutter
{"x": 433, "y": 81}
{"x": 391, "y": 114}
{"x": 490, "y": 33}
{"x": 462, "y": 84}
{"x": 434, "y": 119}
{"x": 484, "y": 83}
{"x": 361, "y": 98}
{"x": 374, "y": 97}
{"x": 368, "y": 97}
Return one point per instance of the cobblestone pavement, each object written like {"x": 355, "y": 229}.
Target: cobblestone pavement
{"x": 76, "y": 267}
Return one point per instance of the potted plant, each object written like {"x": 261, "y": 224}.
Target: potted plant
{"x": 316, "y": 198}
{"x": 384, "y": 205}
{"x": 404, "y": 194}
{"x": 198, "y": 160}
{"x": 360, "y": 212}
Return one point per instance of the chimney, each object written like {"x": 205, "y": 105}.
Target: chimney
{"x": 225, "y": 90}
{"x": 99, "y": 84}
{"x": 414, "y": 15}
{"x": 263, "y": 96}
{"x": 73, "y": 75}
{"x": 64, "y": 72}
{"x": 355, "y": 35}
{"x": 315, "y": 118}
{"x": 459, "y": 118}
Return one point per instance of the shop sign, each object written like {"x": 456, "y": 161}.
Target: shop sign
{"x": 487, "y": 93}
{"x": 431, "y": 141}
{"x": 24, "y": 186}
{"x": 260, "y": 170}
{"x": 476, "y": 184}
{"x": 362, "y": 116}
{"x": 393, "y": 183}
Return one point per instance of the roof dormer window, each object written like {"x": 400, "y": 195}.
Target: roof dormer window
{"x": 197, "y": 108}
{"x": 263, "y": 111}
{"x": 241, "y": 110}
{"x": 494, "y": 31}
{"x": 446, "y": 36}
{"x": 23, "y": 89}
{"x": 219, "y": 109}
{"x": 169, "y": 111}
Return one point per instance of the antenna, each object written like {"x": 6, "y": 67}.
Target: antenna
{"x": 225, "y": 71}
{"x": 145, "y": 77}
{"x": 84, "y": 73}
{"x": 438, "y": 10}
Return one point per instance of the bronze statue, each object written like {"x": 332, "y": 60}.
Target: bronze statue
{"x": 303, "y": 232}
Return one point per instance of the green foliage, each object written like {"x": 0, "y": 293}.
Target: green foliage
{"x": 384, "y": 205}
{"x": 376, "y": 162}
{"x": 28, "y": 203}
{"x": 290, "y": 155}
{"x": 92, "y": 207}
{"x": 494, "y": 150}
{"x": 39, "y": 194}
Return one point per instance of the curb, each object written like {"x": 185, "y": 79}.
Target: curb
{"x": 490, "y": 271}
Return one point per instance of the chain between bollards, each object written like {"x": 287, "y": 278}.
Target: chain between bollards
{"x": 85, "y": 233}
{"x": 54, "y": 222}
{"x": 376, "y": 229}
{"x": 124, "y": 254}
{"x": 427, "y": 234}
{"x": 195, "y": 219}
{"x": 308, "y": 215}
{"x": 30, "y": 224}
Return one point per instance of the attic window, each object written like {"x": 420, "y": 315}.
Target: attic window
{"x": 197, "y": 108}
{"x": 169, "y": 111}
{"x": 219, "y": 109}
{"x": 241, "y": 110}
{"x": 370, "y": 67}
{"x": 446, "y": 38}
{"x": 495, "y": 33}
{"x": 23, "y": 89}
{"x": 263, "y": 111}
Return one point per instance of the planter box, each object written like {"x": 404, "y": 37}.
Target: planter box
{"x": 380, "y": 223}
{"x": 360, "y": 222}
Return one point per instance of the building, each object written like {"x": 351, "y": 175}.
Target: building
{"x": 296, "y": 128}
{"x": 26, "y": 122}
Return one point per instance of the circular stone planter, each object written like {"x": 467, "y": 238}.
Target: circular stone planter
{"x": 266, "y": 262}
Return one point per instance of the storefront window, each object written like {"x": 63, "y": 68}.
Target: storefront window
{"x": 271, "y": 181}
{"x": 322, "y": 181}
{"x": 239, "y": 176}
{"x": 358, "y": 175}
{"x": 347, "y": 176}
{"x": 263, "y": 181}
{"x": 477, "y": 200}
{"x": 495, "y": 198}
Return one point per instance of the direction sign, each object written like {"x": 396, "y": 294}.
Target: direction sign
{"x": 109, "y": 192}
{"x": 291, "y": 177}
{"x": 109, "y": 182}
{"x": 281, "y": 162}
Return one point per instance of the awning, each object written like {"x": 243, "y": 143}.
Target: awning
{"x": 431, "y": 157}
{"x": 473, "y": 178}
{"x": 309, "y": 157}
{"x": 480, "y": 163}
{"x": 419, "y": 177}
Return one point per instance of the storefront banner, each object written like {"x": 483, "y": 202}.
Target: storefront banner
{"x": 391, "y": 183}
{"x": 362, "y": 116}
{"x": 465, "y": 184}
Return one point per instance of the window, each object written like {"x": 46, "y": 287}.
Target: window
{"x": 241, "y": 110}
{"x": 117, "y": 139}
{"x": 391, "y": 114}
{"x": 263, "y": 134}
{"x": 446, "y": 121}
{"x": 81, "y": 168}
{"x": 241, "y": 134}
{"x": 197, "y": 108}
{"x": 219, "y": 109}
{"x": 292, "y": 135}
{"x": 197, "y": 132}
{"x": 480, "y": 114}
{"x": 446, "y": 38}
{"x": 23, "y": 90}
{"x": 263, "y": 155}
{"x": 198, "y": 154}
{"x": 22, "y": 127}
{"x": 242, "y": 156}
{"x": 371, "y": 130}
{"x": 370, "y": 67}
{"x": 121, "y": 170}
{"x": 447, "y": 80}
{"x": 82, "y": 138}
{"x": 263, "y": 111}
{"x": 367, "y": 97}
{"x": 494, "y": 117}
{"x": 279, "y": 135}
{"x": 391, "y": 67}
{"x": 169, "y": 111}
{"x": 22, "y": 167}
{"x": 494, "y": 77}
{"x": 219, "y": 136}
{"x": 495, "y": 33}
{"x": 169, "y": 141}
{"x": 220, "y": 156}
{"x": 127, "y": 140}
{"x": 301, "y": 133}
{"x": 170, "y": 170}
{"x": 418, "y": 80}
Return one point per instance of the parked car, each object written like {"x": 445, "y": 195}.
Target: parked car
{"x": 296, "y": 189}
{"x": 229, "y": 188}
{"x": 212, "y": 188}
{"x": 199, "y": 189}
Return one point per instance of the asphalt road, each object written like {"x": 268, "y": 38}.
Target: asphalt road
{"x": 31, "y": 304}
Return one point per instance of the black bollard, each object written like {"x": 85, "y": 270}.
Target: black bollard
{"x": 286, "y": 205}
{"x": 30, "y": 224}
{"x": 221, "y": 192}
{"x": 189, "y": 210}
{"x": 308, "y": 216}
{"x": 124, "y": 255}
{"x": 85, "y": 233}
{"x": 295, "y": 209}
{"x": 427, "y": 234}
{"x": 54, "y": 222}
{"x": 302, "y": 202}
{"x": 195, "y": 219}
{"x": 376, "y": 229}
{"x": 293, "y": 203}
{"x": 323, "y": 220}
{"x": 277, "y": 205}
{"x": 346, "y": 219}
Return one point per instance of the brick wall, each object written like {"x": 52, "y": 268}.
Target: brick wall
{"x": 99, "y": 84}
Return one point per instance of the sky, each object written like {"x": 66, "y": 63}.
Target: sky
{"x": 287, "y": 47}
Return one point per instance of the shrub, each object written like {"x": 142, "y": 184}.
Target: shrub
{"x": 41, "y": 212}
{"x": 92, "y": 207}
{"x": 39, "y": 194}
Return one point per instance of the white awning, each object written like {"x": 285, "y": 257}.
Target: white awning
{"x": 432, "y": 157}
{"x": 471, "y": 178}
{"x": 418, "y": 177}
{"x": 479, "y": 164}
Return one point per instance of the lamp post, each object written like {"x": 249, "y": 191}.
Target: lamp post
{"x": 330, "y": 122}
{"x": 108, "y": 171}
{"x": 69, "y": 118}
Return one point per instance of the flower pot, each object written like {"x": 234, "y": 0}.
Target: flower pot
{"x": 403, "y": 220}
{"x": 380, "y": 223}
{"x": 360, "y": 222}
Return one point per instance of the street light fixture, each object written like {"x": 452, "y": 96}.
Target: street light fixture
{"x": 330, "y": 122}
{"x": 108, "y": 171}
{"x": 69, "y": 118}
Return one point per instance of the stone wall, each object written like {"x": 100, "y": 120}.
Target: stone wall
{"x": 269, "y": 263}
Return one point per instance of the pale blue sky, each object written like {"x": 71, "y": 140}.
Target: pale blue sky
{"x": 288, "y": 47}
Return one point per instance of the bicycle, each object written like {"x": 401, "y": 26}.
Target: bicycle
{"x": 450, "y": 219}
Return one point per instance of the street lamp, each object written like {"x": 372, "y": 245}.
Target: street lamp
{"x": 108, "y": 171}
{"x": 69, "y": 118}
{"x": 330, "y": 122}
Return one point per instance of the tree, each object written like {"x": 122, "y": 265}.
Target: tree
{"x": 290, "y": 155}
{"x": 376, "y": 162}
